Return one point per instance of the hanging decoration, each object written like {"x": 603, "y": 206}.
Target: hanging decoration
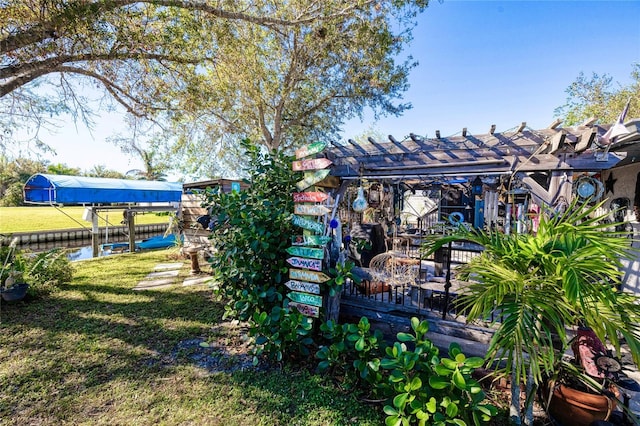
{"x": 588, "y": 188}
{"x": 360, "y": 203}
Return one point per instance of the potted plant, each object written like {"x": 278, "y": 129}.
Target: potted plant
{"x": 538, "y": 284}
{"x": 12, "y": 284}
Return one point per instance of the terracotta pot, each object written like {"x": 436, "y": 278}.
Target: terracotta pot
{"x": 15, "y": 293}
{"x": 572, "y": 407}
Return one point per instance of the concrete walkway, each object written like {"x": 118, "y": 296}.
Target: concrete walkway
{"x": 165, "y": 275}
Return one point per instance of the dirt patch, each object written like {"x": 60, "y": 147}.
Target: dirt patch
{"x": 226, "y": 350}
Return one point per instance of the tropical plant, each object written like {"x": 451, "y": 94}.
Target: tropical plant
{"x": 568, "y": 273}
{"x": 44, "y": 271}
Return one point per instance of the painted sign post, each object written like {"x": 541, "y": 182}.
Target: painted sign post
{"x": 310, "y": 209}
{"x": 303, "y": 286}
{"x": 311, "y": 253}
{"x": 305, "y": 275}
{"x": 309, "y": 197}
{"x": 301, "y": 262}
{"x": 310, "y": 149}
{"x": 308, "y": 310}
{"x": 305, "y": 223}
{"x": 306, "y": 272}
{"x": 314, "y": 164}
{"x": 311, "y": 178}
{"x": 310, "y": 240}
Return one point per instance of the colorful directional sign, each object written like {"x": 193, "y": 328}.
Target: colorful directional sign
{"x": 303, "y": 286}
{"x": 314, "y": 164}
{"x": 306, "y": 298}
{"x": 308, "y": 310}
{"x": 310, "y": 209}
{"x": 301, "y": 262}
{"x": 305, "y": 223}
{"x": 309, "y": 197}
{"x": 309, "y": 252}
{"x": 310, "y": 149}
{"x": 305, "y": 275}
{"x": 311, "y": 178}
{"x": 310, "y": 240}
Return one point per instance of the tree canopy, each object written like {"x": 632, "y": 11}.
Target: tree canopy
{"x": 599, "y": 97}
{"x": 207, "y": 73}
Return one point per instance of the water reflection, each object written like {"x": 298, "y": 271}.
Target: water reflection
{"x": 85, "y": 253}
{"x": 81, "y": 248}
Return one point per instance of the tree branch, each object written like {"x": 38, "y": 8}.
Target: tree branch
{"x": 25, "y": 73}
{"x": 110, "y": 86}
{"x": 45, "y": 30}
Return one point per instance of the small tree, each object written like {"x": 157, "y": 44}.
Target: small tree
{"x": 565, "y": 274}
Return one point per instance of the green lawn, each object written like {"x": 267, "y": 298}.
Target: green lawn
{"x": 36, "y": 218}
{"x": 99, "y": 353}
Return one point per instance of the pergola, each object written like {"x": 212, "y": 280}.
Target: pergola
{"x": 521, "y": 154}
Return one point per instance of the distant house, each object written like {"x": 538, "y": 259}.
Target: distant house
{"x": 196, "y": 227}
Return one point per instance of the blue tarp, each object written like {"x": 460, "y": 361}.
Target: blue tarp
{"x": 61, "y": 189}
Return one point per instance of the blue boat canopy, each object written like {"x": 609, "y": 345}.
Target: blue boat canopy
{"x": 61, "y": 189}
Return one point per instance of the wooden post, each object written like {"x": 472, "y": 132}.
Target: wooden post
{"x": 95, "y": 230}
{"x": 130, "y": 215}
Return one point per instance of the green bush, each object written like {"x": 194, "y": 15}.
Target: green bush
{"x": 253, "y": 232}
{"x": 281, "y": 332}
{"x": 421, "y": 387}
{"x": 46, "y": 271}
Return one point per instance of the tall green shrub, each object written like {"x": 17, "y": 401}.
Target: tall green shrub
{"x": 252, "y": 233}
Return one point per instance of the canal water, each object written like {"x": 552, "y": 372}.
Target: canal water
{"x": 80, "y": 249}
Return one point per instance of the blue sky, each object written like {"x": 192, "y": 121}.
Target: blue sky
{"x": 480, "y": 63}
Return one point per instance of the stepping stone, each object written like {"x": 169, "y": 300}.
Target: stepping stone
{"x": 154, "y": 284}
{"x": 196, "y": 280}
{"x": 162, "y": 266}
{"x": 164, "y": 274}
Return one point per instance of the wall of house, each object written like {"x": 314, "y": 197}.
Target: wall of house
{"x": 622, "y": 185}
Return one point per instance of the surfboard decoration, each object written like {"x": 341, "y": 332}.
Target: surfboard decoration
{"x": 310, "y": 240}
{"x": 301, "y": 262}
{"x": 310, "y": 149}
{"x": 311, "y": 178}
{"x": 305, "y": 223}
{"x": 309, "y": 197}
{"x": 313, "y": 164}
{"x": 309, "y": 252}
